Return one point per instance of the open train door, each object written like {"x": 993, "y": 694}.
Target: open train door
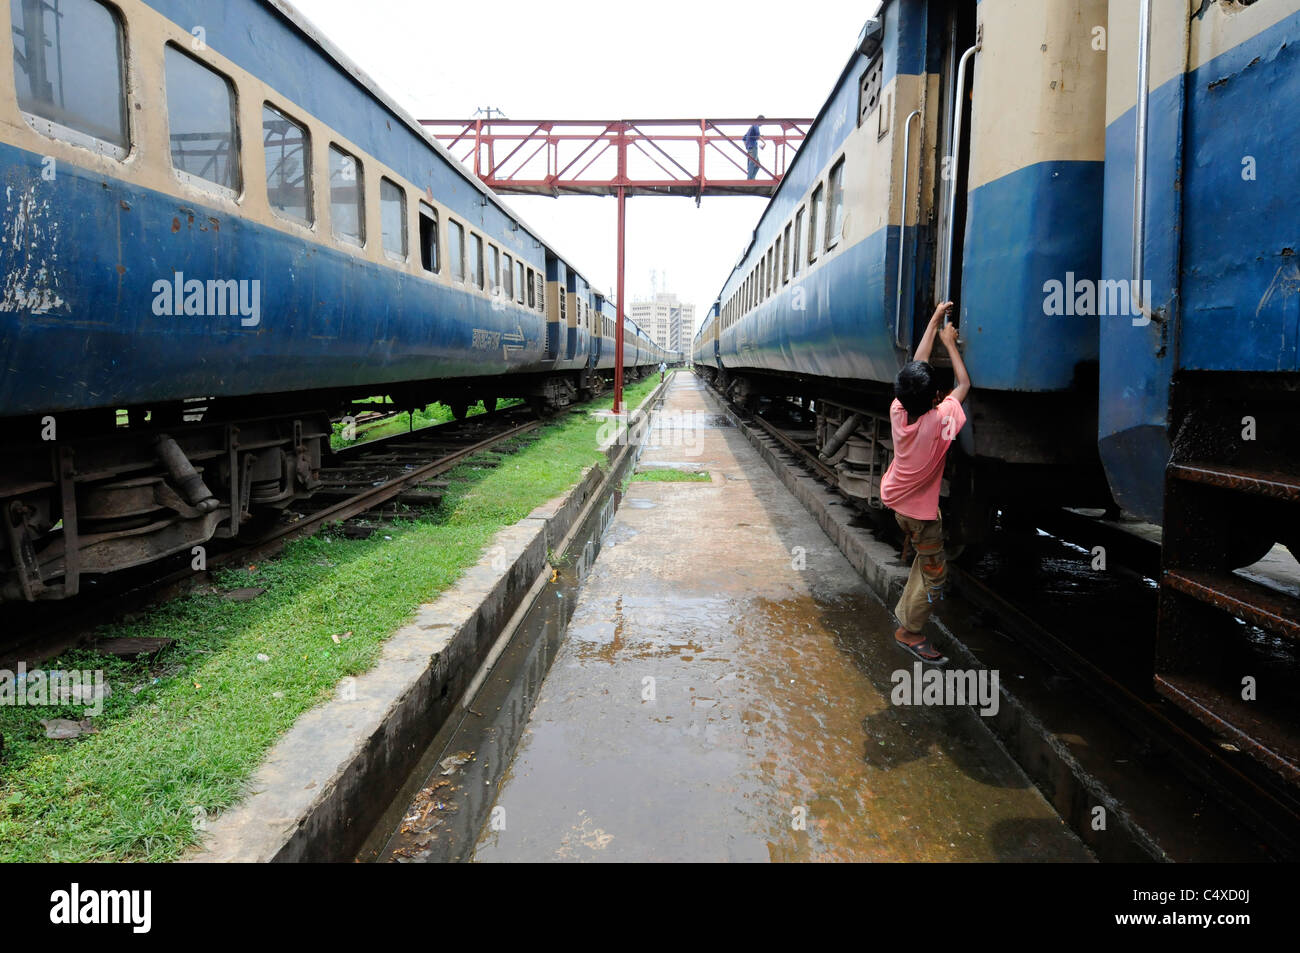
{"x": 597, "y": 331}
{"x": 571, "y": 311}
{"x": 933, "y": 187}
{"x": 955, "y": 30}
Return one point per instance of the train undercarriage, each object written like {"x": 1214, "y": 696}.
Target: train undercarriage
{"x": 98, "y": 491}
{"x": 1019, "y": 451}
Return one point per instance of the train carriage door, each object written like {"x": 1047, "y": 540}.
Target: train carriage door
{"x": 598, "y": 333}
{"x": 956, "y": 31}
{"x": 589, "y": 327}
{"x": 715, "y": 350}
{"x": 556, "y": 305}
{"x": 572, "y": 315}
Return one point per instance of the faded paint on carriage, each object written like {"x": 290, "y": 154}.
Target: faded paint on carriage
{"x": 1221, "y": 247}
{"x": 328, "y": 319}
{"x": 88, "y": 247}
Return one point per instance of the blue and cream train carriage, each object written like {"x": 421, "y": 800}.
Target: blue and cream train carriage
{"x": 862, "y": 237}
{"x": 1108, "y": 190}
{"x": 216, "y": 234}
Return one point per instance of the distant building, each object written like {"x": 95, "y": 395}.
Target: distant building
{"x": 668, "y": 322}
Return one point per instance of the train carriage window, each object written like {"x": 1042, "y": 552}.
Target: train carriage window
{"x": 835, "y": 205}
{"x": 541, "y": 294}
{"x": 347, "y": 197}
{"x": 532, "y": 294}
{"x": 287, "y": 146}
{"x": 429, "y": 239}
{"x": 69, "y": 72}
{"x": 795, "y": 261}
{"x": 814, "y": 215}
{"x": 201, "y": 121}
{"x": 456, "y": 249}
{"x": 508, "y": 278}
{"x": 519, "y": 281}
{"x": 494, "y": 270}
{"x": 392, "y": 218}
{"x": 476, "y": 260}
{"x": 785, "y": 258}
{"x": 869, "y": 89}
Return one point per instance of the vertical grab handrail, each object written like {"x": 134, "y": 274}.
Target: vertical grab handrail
{"x": 959, "y": 111}
{"x": 1140, "y": 156}
{"x": 902, "y": 228}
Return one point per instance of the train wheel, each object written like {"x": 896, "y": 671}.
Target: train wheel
{"x": 459, "y": 409}
{"x": 489, "y": 404}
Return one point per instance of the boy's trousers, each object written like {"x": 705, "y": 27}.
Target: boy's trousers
{"x": 929, "y": 571}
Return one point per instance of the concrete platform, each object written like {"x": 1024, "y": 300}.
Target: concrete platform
{"x": 323, "y": 786}
{"x": 723, "y": 693}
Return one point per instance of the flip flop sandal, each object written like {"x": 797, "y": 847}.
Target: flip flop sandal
{"x": 924, "y": 651}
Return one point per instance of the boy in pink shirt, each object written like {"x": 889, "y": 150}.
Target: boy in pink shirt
{"x": 923, "y": 428}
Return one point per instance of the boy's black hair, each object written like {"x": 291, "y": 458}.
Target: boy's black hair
{"x": 915, "y": 388}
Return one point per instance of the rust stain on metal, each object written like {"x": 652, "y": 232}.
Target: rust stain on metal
{"x": 1278, "y": 486}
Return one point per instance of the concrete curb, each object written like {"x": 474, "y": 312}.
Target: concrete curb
{"x": 1068, "y": 786}
{"x": 327, "y": 781}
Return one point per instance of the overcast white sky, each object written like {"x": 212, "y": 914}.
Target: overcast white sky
{"x": 602, "y": 59}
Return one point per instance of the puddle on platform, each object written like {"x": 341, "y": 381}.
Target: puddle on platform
{"x": 447, "y": 800}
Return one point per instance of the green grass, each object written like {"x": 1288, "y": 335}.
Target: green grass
{"x": 424, "y": 417}
{"x": 669, "y": 476}
{"x": 183, "y": 730}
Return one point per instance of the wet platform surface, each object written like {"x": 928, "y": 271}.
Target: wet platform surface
{"x": 723, "y": 693}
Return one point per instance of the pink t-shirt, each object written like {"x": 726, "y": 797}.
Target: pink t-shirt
{"x": 911, "y": 484}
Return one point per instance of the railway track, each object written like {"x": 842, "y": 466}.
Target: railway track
{"x": 395, "y": 471}
{"x": 1090, "y": 647}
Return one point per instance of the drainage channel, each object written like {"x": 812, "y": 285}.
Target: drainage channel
{"x": 438, "y": 813}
